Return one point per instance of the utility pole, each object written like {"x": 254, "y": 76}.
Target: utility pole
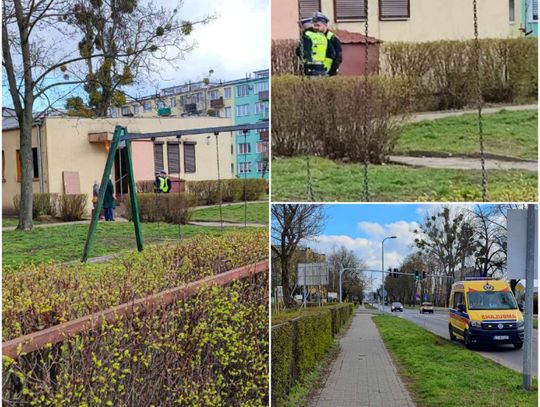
{"x": 529, "y": 293}
{"x": 382, "y": 268}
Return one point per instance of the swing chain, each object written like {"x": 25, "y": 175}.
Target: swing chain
{"x": 309, "y": 181}
{"x": 479, "y": 104}
{"x": 365, "y": 130}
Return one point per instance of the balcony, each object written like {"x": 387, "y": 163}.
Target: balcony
{"x": 264, "y": 95}
{"x": 217, "y": 103}
{"x": 164, "y": 111}
{"x": 264, "y": 135}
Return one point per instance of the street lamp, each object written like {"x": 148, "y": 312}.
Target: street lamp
{"x": 382, "y": 267}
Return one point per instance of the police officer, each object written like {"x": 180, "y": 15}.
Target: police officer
{"x": 315, "y": 50}
{"x": 162, "y": 183}
{"x": 320, "y": 24}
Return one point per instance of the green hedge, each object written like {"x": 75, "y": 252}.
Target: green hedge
{"x": 298, "y": 344}
{"x": 44, "y": 204}
{"x": 232, "y": 190}
{"x": 172, "y": 208}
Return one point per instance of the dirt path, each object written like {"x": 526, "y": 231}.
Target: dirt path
{"x": 461, "y": 163}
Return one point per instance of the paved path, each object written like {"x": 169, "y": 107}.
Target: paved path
{"x": 420, "y": 117}
{"x": 363, "y": 375}
{"x": 462, "y": 163}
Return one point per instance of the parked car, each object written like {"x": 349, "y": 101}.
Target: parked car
{"x": 426, "y": 307}
{"x": 396, "y": 306}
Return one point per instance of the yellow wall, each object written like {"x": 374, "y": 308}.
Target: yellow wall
{"x": 68, "y": 149}
{"x": 430, "y": 20}
{"x": 10, "y": 185}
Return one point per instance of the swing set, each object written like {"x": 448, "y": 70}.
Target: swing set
{"x": 364, "y": 124}
{"x": 121, "y": 142}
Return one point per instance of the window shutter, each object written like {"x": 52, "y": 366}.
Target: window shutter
{"x": 173, "y": 158}
{"x": 158, "y": 157}
{"x": 394, "y": 8}
{"x": 308, "y": 7}
{"x": 189, "y": 158}
{"x": 350, "y": 10}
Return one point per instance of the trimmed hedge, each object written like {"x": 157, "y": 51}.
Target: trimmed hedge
{"x": 336, "y": 117}
{"x": 442, "y": 74}
{"x": 171, "y": 208}
{"x": 232, "y": 190}
{"x": 298, "y": 344}
{"x": 44, "y": 204}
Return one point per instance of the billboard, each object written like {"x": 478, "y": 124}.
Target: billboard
{"x": 312, "y": 274}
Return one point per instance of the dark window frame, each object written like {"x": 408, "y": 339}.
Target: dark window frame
{"x": 309, "y": 12}
{"x": 187, "y": 168}
{"x": 173, "y": 146}
{"x": 156, "y": 167}
{"x": 395, "y": 18}
{"x": 353, "y": 19}
{"x": 35, "y": 164}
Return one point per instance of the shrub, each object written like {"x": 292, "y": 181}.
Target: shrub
{"x": 72, "y": 206}
{"x": 144, "y": 186}
{"x": 172, "y": 208}
{"x": 232, "y": 190}
{"x": 442, "y": 73}
{"x": 284, "y": 58}
{"x": 339, "y": 118}
{"x": 44, "y": 204}
{"x": 282, "y": 358}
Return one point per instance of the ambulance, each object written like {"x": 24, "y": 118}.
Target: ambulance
{"x": 485, "y": 312}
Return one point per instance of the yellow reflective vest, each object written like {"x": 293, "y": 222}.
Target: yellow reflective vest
{"x": 319, "y": 46}
{"x": 164, "y": 184}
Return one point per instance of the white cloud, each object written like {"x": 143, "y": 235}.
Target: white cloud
{"x": 371, "y": 228}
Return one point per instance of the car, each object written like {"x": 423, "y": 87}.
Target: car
{"x": 396, "y": 306}
{"x": 485, "y": 312}
{"x": 426, "y": 307}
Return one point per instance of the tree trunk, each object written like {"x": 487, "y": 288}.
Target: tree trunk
{"x": 27, "y": 172}
{"x": 284, "y": 260}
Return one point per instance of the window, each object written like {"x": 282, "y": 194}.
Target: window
{"x": 242, "y": 110}
{"x": 242, "y": 90}
{"x": 261, "y": 107}
{"x": 160, "y": 104}
{"x": 512, "y": 11}
{"x": 35, "y": 166}
{"x": 189, "y": 158}
{"x": 213, "y": 95}
{"x": 173, "y": 102}
{"x": 347, "y": 10}
{"x": 244, "y": 168}
{"x": 261, "y": 166}
{"x": 158, "y": 157}
{"x": 126, "y": 110}
{"x": 3, "y": 166}
{"x": 534, "y": 10}
{"x": 173, "y": 157}
{"x": 458, "y": 299}
{"x": 262, "y": 147}
{"x": 244, "y": 148}
{"x": 394, "y": 9}
{"x": 261, "y": 87}
{"x": 147, "y": 106}
{"x": 308, "y": 7}
{"x": 228, "y": 111}
{"x": 135, "y": 109}
{"x": 227, "y": 93}
{"x": 114, "y": 112}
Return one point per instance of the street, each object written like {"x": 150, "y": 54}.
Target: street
{"x": 506, "y": 355}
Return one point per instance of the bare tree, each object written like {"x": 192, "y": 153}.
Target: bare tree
{"x": 450, "y": 238}
{"x": 292, "y": 224}
{"x": 41, "y": 55}
{"x": 353, "y": 283}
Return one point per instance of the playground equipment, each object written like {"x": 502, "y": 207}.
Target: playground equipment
{"x": 121, "y": 137}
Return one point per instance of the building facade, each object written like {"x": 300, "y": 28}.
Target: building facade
{"x": 405, "y": 20}
{"x": 529, "y": 17}
{"x": 70, "y": 154}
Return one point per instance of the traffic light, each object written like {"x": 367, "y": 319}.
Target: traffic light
{"x": 423, "y": 274}
{"x": 416, "y": 275}
{"x": 396, "y": 273}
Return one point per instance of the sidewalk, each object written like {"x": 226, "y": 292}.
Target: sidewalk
{"x": 363, "y": 375}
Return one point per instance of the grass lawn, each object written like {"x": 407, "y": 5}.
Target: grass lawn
{"x": 441, "y": 373}
{"x": 288, "y": 314}
{"x": 513, "y": 134}
{"x": 334, "y": 181}
{"x": 256, "y": 213}
{"x": 65, "y": 243}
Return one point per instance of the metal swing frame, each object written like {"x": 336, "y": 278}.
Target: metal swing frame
{"x": 120, "y": 136}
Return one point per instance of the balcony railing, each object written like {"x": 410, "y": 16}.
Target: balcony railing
{"x": 217, "y": 103}
{"x": 264, "y": 95}
{"x": 264, "y": 135}
{"x": 190, "y": 107}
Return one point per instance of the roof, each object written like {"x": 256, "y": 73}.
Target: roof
{"x": 348, "y": 37}
{"x": 9, "y": 119}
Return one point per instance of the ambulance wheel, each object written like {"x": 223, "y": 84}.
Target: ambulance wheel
{"x": 518, "y": 345}
{"x": 467, "y": 340}
{"x": 452, "y": 336}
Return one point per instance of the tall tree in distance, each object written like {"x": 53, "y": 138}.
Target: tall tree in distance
{"x": 353, "y": 283}
{"x": 292, "y": 224}
{"x": 48, "y": 44}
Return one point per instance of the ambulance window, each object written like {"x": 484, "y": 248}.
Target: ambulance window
{"x": 458, "y": 299}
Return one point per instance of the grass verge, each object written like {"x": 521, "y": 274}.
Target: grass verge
{"x": 334, "y": 181}
{"x": 287, "y": 315}
{"x": 508, "y": 133}
{"x": 441, "y": 373}
{"x": 66, "y": 243}
{"x": 256, "y": 213}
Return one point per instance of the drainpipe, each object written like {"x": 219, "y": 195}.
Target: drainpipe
{"x": 40, "y": 159}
